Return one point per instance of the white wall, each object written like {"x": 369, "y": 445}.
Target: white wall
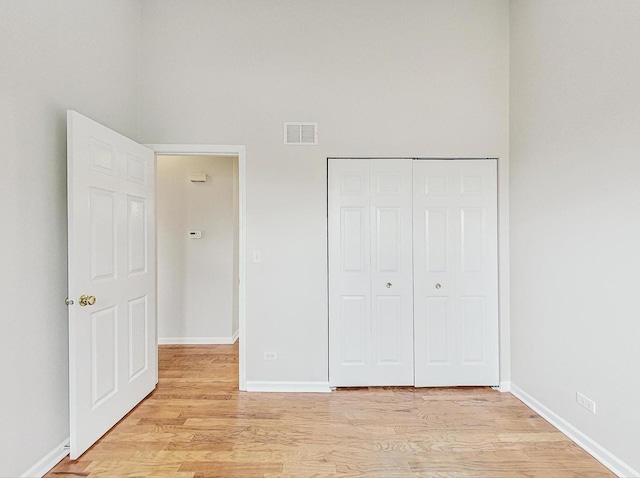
{"x": 67, "y": 54}
{"x": 382, "y": 78}
{"x": 575, "y": 213}
{"x": 196, "y": 276}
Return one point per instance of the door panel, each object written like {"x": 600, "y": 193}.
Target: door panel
{"x": 112, "y": 342}
{"x": 472, "y": 318}
{"x": 437, "y": 245}
{"x": 437, "y": 329}
{"x": 352, "y": 239}
{"x": 136, "y": 235}
{"x": 136, "y": 170}
{"x": 388, "y": 239}
{"x": 455, "y": 248}
{"x": 472, "y": 237}
{"x": 471, "y": 184}
{"x": 435, "y": 183}
{"x": 391, "y": 272}
{"x": 102, "y": 205}
{"x": 389, "y": 333}
{"x": 370, "y": 265}
{"x": 353, "y": 325}
{"x": 138, "y": 336}
{"x": 350, "y": 259}
{"x": 104, "y": 360}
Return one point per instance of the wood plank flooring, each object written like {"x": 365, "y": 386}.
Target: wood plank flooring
{"x": 197, "y": 425}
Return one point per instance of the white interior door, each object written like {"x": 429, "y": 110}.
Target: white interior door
{"x": 455, "y": 272}
{"x": 370, "y": 260}
{"x": 112, "y": 260}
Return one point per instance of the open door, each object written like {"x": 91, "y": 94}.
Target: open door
{"x": 113, "y": 360}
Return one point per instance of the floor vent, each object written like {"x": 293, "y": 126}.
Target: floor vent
{"x": 301, "y": 133}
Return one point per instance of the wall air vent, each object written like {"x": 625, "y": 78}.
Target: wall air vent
{"x": 301, "y": 133}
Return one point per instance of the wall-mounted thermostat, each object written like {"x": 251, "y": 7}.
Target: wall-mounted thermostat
{"x": 195, "y": 234}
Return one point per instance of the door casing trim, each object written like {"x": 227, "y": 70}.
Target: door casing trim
{"x": 226, "y": 150}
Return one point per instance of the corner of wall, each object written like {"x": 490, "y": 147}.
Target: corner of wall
{"x": 600, "y": 453}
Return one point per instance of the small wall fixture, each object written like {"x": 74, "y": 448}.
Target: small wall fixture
{"x": 305, "y": 133}
{"x": 198, "y": 177}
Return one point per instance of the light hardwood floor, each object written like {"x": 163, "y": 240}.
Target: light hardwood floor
{"x": 197, "y": 425}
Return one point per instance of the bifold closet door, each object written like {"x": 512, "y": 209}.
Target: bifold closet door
{"x": 370, "y": 273}
{"x": 455, "y": 272}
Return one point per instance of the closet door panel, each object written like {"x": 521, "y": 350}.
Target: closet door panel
{"x": 455, "y": 262}
{"x": 349, "y": 272}
{"x": 370, "y": 264}
{"x": 392, "y": 272}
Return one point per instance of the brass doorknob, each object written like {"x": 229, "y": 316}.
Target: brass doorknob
{"x": 87, "y": 300}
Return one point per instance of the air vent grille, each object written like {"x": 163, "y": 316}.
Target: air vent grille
{"x": 301, "y": 133}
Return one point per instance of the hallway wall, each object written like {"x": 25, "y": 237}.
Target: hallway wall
{"x": 197, "y": 280}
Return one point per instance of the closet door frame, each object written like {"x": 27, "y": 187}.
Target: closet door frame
{"x": 504, "y": 349}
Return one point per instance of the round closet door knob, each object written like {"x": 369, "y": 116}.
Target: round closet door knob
{"x": 389, "y": 284}
{"x": 87, "y": 300}
{"x": 438, "y": 286}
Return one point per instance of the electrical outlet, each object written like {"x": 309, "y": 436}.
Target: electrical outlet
{"x": 270, "y": 355}
{"x": 586, "y": 402}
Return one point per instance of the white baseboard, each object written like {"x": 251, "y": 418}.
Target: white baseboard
{"x": 196, "y": 340}
{"x": 505, "y": 386}
{"x": 600, "y": 453}
{"x": 303, "y": 387}
{"x": 234, "y": 339}
{"x": 50, "y": 460}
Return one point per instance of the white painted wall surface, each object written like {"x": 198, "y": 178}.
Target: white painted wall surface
{"x": 385, "y": 78}
{"x": 67, "y": 54}
{"x": 575, "y": 213}
{"x": 196, "y": 276}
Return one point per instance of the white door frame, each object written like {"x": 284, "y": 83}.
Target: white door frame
{"x": 226, "y": 150}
